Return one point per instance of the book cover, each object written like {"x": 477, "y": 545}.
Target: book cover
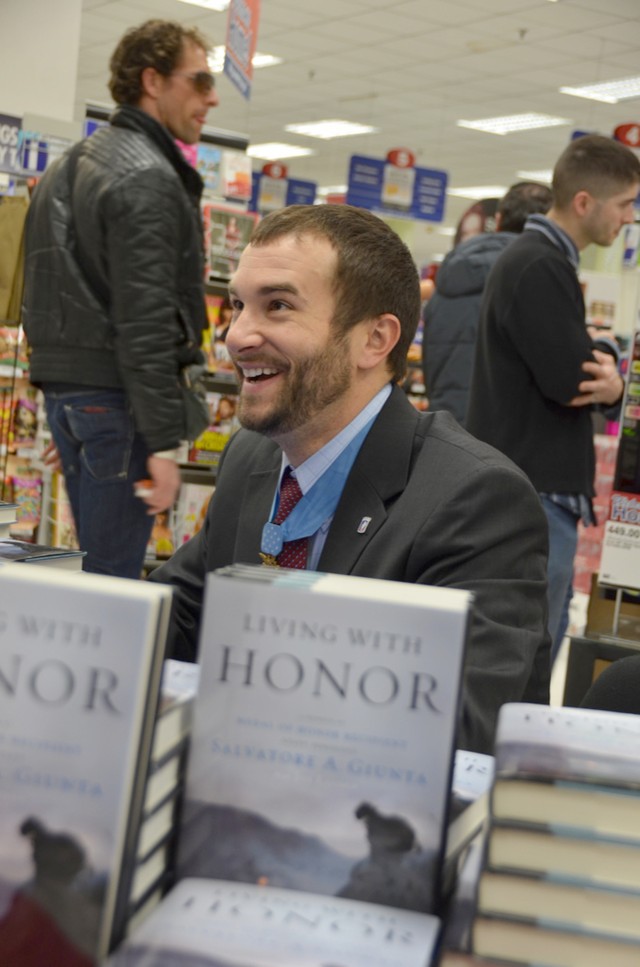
{"x": 324, "y": 732}
{"x": 191, "y": 510}
{"x": 80, "y": 668}
{"x": 161, "y": 543}
{"x": 584, "y": 745}
{"x": 26, "y": 492}
{"x": 226, "y": 234}
{"x": 63, "y": 528}
{"x": 223, "y": 421}
{"x": 206, "y": 923}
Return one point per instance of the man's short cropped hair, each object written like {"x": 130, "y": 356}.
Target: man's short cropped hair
{"x": 155, "y": 43}
{"x": 596, "y": 164}
{"x": 523, "y": 199}
{"x": 375, "y": 270}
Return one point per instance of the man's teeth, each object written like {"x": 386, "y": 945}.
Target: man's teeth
{"x": 255, "y": 373}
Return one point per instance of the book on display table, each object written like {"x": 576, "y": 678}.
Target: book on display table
{"x": 319, "y": 774}
{"x": 80, "y": 667}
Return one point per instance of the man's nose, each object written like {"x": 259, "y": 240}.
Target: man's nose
{"x": 243, "y": 332}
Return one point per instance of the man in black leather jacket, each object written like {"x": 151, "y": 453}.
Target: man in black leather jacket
{"x": 114, "y": 292}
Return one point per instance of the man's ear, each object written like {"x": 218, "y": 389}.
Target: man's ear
{"x": 582, "y": 203}
{"x": 382, "y": 334}
{"x": 150, "y": 82}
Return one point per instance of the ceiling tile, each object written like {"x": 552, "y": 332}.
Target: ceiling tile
{"x": 412, "y": 68}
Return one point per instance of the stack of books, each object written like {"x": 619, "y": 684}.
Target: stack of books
{"x": 561, "y": 874}
{"x": 157, "y": 836}
{"x": 26, "y": 552}
{"x": 469, "y": 800}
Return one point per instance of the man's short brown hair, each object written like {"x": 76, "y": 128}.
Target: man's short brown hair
{"x": 155, "y": 43}
{"x": 375, "y": 270}
{"x": 596, "y": 164}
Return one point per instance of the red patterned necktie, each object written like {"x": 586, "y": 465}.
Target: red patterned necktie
{"x": 293, "y": 553}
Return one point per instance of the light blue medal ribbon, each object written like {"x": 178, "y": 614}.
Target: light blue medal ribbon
{"x": 316, "y": 505}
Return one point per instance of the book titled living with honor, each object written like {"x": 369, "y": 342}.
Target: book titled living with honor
{"x": 80, "y": 670}
{"x": 324, "y": 734}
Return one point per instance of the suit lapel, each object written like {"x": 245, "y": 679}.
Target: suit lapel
{"x": 254, "y": 513}
{"x": 374, "y": 481}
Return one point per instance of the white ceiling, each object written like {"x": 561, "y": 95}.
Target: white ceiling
{"x": 411, "y": 68}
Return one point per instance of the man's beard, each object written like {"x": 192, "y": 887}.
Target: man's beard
{"x": 308, "y": 387}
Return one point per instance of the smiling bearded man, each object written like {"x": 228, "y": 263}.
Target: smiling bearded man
{"x": 326, "y": 301}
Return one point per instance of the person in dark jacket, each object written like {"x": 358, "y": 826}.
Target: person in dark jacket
{"x": 451, "y": 315}
{"x": 114, "y": 293}
{"x": 537, "y": 372}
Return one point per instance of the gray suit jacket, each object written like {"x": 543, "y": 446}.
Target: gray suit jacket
{"x": 445, "y": 510}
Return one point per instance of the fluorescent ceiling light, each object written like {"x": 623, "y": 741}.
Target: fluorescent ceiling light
{"x": 544, "y": 175}
{"x": 478, "y": 191}
{"x": 276, "y": 151}
{"x": 330, "y": 129}
{"x": 209, "y": 4}
{"x": 444, "y": 230}
{"x": 608, "y": 91}
{"x": 513, "y": 122}
{"x": 265, "y": 60}
{"x": 215, "y": 59}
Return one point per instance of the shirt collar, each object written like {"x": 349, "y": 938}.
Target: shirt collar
{"x": 539, "y": 223}
{"x": 315, "y": 465}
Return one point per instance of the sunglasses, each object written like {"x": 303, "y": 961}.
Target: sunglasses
{"x": 203, "y": 81}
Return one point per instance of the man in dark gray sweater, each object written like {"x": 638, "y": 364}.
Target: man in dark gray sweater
{"x": 537, "y": 373}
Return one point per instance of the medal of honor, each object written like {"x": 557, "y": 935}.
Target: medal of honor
{"x": 268, "y": 560}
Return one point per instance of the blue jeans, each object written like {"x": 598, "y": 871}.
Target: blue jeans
{"x": 563, "y": 542}
{"x": 102, "y": 457}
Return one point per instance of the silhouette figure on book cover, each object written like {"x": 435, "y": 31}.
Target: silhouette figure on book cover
{"x": 396, "y": 871}
{"x": 53, "y": 918}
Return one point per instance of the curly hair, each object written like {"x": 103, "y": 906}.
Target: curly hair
{"x": 155, "y": 43}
